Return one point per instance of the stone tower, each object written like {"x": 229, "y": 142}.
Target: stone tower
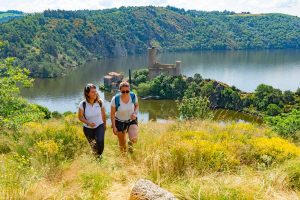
{"x": 178, "y": 67}
{"x": 151, "y": 57}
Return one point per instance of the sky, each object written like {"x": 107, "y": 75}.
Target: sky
{"x": 291, "y": 7}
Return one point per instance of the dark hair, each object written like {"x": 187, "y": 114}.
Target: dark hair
{"x": 87, "y": 90}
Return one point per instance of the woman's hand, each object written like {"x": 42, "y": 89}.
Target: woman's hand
{"x": 115, "y": 130}
{"x": 91, "y": 124}
{"x": 133, "y": 116}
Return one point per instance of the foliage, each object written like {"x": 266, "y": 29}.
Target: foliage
{"x": 273, "y": 110}
{"x": 166, "y": 87}
{"x": 298, "y": 92}
{"x": 38, "y": 151}
{"x": 264, "y": 101}
{"x": 140, "y": 76}
{"x": 56, "y": 114}
{"x": 192, "y": 159}
{"x": 267, "y": 151}
{"x": 286, "y": 124}
{"x": 292, "y": 168}
{"x": 54, "y": 42}
{"x": 46, "y": 111}
{"x": 265, "y": 95}
{"x": 10, "y": 14}
{"x": 194, "y": 108}
{"x": 202, "y": 148}
{"x": 14, "y": 110}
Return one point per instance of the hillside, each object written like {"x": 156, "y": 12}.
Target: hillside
{"x": 10, "y": 14}
{"x": 54, "y": 42}
{"x": 191, "y": 159}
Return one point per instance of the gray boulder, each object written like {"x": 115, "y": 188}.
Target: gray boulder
{"x": 146, "y": 190}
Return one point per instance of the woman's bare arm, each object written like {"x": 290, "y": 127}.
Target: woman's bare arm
{"x": 113, "y": 116}
{"x": 103, "y": 116}
{"x": 81, "y": 117}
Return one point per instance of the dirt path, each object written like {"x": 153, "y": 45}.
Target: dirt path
{"x": 119, "y": 191}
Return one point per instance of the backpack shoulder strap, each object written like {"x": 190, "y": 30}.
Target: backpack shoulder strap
{"x": 84, "y": 106}
{"x": 117, "y": 101}
{"x": 132, "y": 95}
{"x": 118, "y": 96}
{"x": 100, "y": 103}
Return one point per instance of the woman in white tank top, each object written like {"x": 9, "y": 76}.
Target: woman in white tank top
{"x": 92, "y": 113}
{"x": 124, "y": 107}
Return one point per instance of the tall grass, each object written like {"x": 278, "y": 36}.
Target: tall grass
{"x": 194, "y": 160}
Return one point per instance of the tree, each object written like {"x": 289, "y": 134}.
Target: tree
{"x": 273, "y": 110}
{"x": 14, "y": 110}
{"x": 298, "y": 92}
{"x": 265, "y": 95}
{"x": 194, "y": 108}
{"x": 140, "y": 76}
{"x": 288, "y": 96}
{"x": 230, "y": 99}
{"x": 198, "y": 78}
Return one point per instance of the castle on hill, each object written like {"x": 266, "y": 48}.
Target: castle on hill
{"x": 113, "y": 79}
{"x": 155, "y": 68}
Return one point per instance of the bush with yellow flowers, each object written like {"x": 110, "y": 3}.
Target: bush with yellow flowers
{"x": 51, "y": 141}
{"x": 213, "y": 147}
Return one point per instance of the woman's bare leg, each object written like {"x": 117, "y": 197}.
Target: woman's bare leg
{"x": 122, "y": 142}
{"x": 133, "y": 136}
{"x": 133, "y": 133}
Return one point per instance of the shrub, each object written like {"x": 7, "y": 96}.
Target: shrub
{"x": 288, "y": 96}
{"x": 194, "y": 108}
{"x": 57, "y": 115}
{"x": 60, "y": 140}
{"x": 273, "y": 110}
{"x": 201, "y": 148}
{"x": 286, "y": 124}
{"x": 144, "y": 89}
{"x": 292, "y": 168}
{"x": 14, "y": 110}
{"x": 47, "y": 149}
{"x": 46, "y": 111}
{"x": 140, "y": 76}
{"x": 268, "y": 151}
{"x": 298, "y": 92}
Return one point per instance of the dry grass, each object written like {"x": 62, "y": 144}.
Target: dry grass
{"x": 82, "y": 177}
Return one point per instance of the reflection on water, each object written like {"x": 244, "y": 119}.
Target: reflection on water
{"x": 244, "y": 69}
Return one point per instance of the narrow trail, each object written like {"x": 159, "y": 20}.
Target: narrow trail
{"x": 119, "y": 191}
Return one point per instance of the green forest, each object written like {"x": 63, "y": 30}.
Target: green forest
{"x": 10, "y": 14}
{"x": 52, "y": 43}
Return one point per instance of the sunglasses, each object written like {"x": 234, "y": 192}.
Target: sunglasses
{"x": 89, "y": 86}
{"x": 123, "y": 92}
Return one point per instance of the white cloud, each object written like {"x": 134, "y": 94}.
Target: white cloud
{"x": 255, "y": 6}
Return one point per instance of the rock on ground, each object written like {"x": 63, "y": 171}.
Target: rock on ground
{"x": 146, "y": 190}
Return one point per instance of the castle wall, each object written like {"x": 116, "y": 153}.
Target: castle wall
{"x": 156, "y": 69}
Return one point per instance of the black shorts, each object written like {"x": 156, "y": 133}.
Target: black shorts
{"x": 123, "y": 126}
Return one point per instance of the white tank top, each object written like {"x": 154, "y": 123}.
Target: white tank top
{"x": 125, "y": 109}
{"x": 92, "y": 113}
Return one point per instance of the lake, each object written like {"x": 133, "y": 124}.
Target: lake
{"x": 244, "y": 69}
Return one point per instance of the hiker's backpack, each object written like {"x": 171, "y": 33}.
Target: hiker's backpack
{"x": 84, "y": 106}
{"x": 118, "y": 96}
